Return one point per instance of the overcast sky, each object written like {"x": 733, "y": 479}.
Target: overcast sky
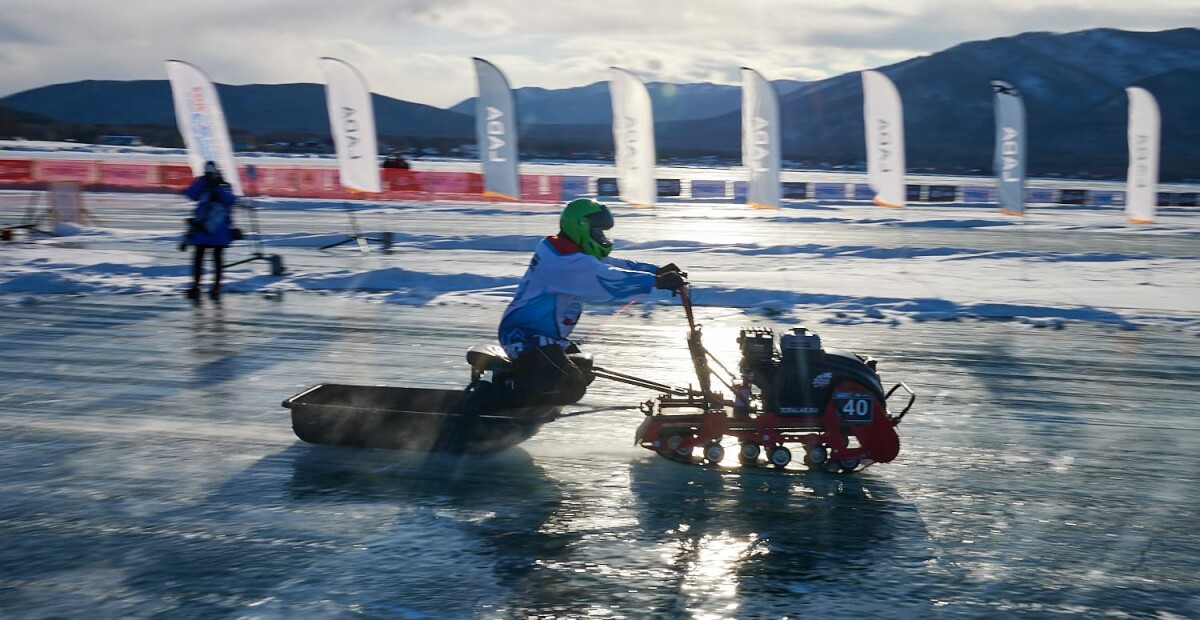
{"x": 420, "y": 50}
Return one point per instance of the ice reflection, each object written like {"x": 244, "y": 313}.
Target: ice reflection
{"x": 769, "y": 543}
{"x": 214, "y": 351}
{"x": 484, "y": 521}
{"x": 709, "y": 567}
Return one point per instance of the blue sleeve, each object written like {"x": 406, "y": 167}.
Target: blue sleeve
{"x": 585, "y": 277}
{"x": 625, "y": 263}
{"x": 226, "y": 196}
{"x": 194, "y": 190}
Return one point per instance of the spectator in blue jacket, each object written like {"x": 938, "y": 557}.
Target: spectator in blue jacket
{"x": 566, "y": 270}
{"x": 210, "y": 227}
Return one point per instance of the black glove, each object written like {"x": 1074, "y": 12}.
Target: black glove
{"x": 668, "y": 268}
{"x": 670, "y": 281}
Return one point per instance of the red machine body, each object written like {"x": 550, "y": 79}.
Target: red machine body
{"x": 830, "y": 404}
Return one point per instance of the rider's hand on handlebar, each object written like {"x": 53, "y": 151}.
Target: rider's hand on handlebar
{"x": 670, "y": 281}
{"x": 668, "y": 268}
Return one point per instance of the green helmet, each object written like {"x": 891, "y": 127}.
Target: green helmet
{"x": 584, "y": 221}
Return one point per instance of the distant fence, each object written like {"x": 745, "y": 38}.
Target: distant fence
{"x": 298, "y": 181}
{"x": 271, "y": 180}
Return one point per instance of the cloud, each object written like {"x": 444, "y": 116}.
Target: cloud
{"x": 420, "y": 50}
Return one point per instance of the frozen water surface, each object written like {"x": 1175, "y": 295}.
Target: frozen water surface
{"x": 1048, "y": 469}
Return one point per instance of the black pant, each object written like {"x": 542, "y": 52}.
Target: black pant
{"x": 546, "y": 376}
{"x": 198, "y": 264}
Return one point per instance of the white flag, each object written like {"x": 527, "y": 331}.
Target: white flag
{"x": 633, "y": 137}
{"x": 202, "y": 122}
{"x": 883, "y": 121}
{"x": 1009, "y": 160}
{"x": 496, "y": 132}
{"x": 1141, "y": 192}
{"x": 352, "y": 121}
{"x": 760, "y": 139}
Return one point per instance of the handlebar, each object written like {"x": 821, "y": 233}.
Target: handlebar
{"x": 686, "y": 300}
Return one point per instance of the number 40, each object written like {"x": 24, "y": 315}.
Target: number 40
{"x": 857, "y": 408}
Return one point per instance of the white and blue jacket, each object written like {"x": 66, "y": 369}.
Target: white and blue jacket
{"x": 559, "y": 279}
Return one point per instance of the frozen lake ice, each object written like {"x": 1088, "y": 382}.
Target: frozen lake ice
{"x": 1048, "y": 467}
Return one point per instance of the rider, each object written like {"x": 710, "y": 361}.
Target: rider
{"x": 567, "y": 270}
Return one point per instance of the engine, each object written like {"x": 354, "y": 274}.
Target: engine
{"x": 793, "y": 391}
{"x": 799, "y": 378}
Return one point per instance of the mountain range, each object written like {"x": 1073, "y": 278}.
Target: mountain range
{"x": 1073, "y": 85}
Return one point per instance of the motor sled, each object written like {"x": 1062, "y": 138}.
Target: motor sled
{"x": 830, "y": 404}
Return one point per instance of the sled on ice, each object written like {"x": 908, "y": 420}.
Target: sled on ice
{"x": 470, "y": 421}
{"x": 831, "y": 405}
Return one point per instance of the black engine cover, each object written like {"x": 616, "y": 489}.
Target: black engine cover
{"x": 804, "y": 382}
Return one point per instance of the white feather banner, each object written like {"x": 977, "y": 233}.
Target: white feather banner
{"x": 633, "y": 136}
{"x": 883, "y": 120}
{"x": 202, "y": 122}
{"x": 352, "y": 122}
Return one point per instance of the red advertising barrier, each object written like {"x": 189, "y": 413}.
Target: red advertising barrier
{"x": 16, "y": 170}
{"x": 398, "y": 184}
{"x": 86, "y": 172}
{"x": 541, "y": 188}
{"x": 316, "y": 181}
{"x": 275, "y": 181}
{"x": 269, "y": 180}
{"x": 174, "y": 176}
{"x": 397, "y": 180}
{"x": 452, "y": 183}
{"x": 129, "y": 175}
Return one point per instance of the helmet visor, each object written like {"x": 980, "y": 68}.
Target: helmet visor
{"x": 599, "y": 222}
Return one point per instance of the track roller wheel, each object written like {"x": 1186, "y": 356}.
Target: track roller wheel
{"x": 749, "y": 453}
{"x": 675, "y": 449}
{"x": 781, "y": 456}
{"x": 713, "y": 452}
{"x": 815, "y": 456}
{"x": 848, "y": 465}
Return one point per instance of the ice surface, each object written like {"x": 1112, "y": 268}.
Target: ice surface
{"x": 1048, "y": 469}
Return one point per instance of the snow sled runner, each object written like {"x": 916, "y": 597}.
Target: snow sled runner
{"x": 829, "y": 404}
{"x": 470, "y": 421}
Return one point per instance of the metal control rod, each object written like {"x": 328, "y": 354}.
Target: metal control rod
{"x": 619, "y": 377}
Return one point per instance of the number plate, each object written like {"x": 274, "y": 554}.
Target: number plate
{"x": 855, "y": 407}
